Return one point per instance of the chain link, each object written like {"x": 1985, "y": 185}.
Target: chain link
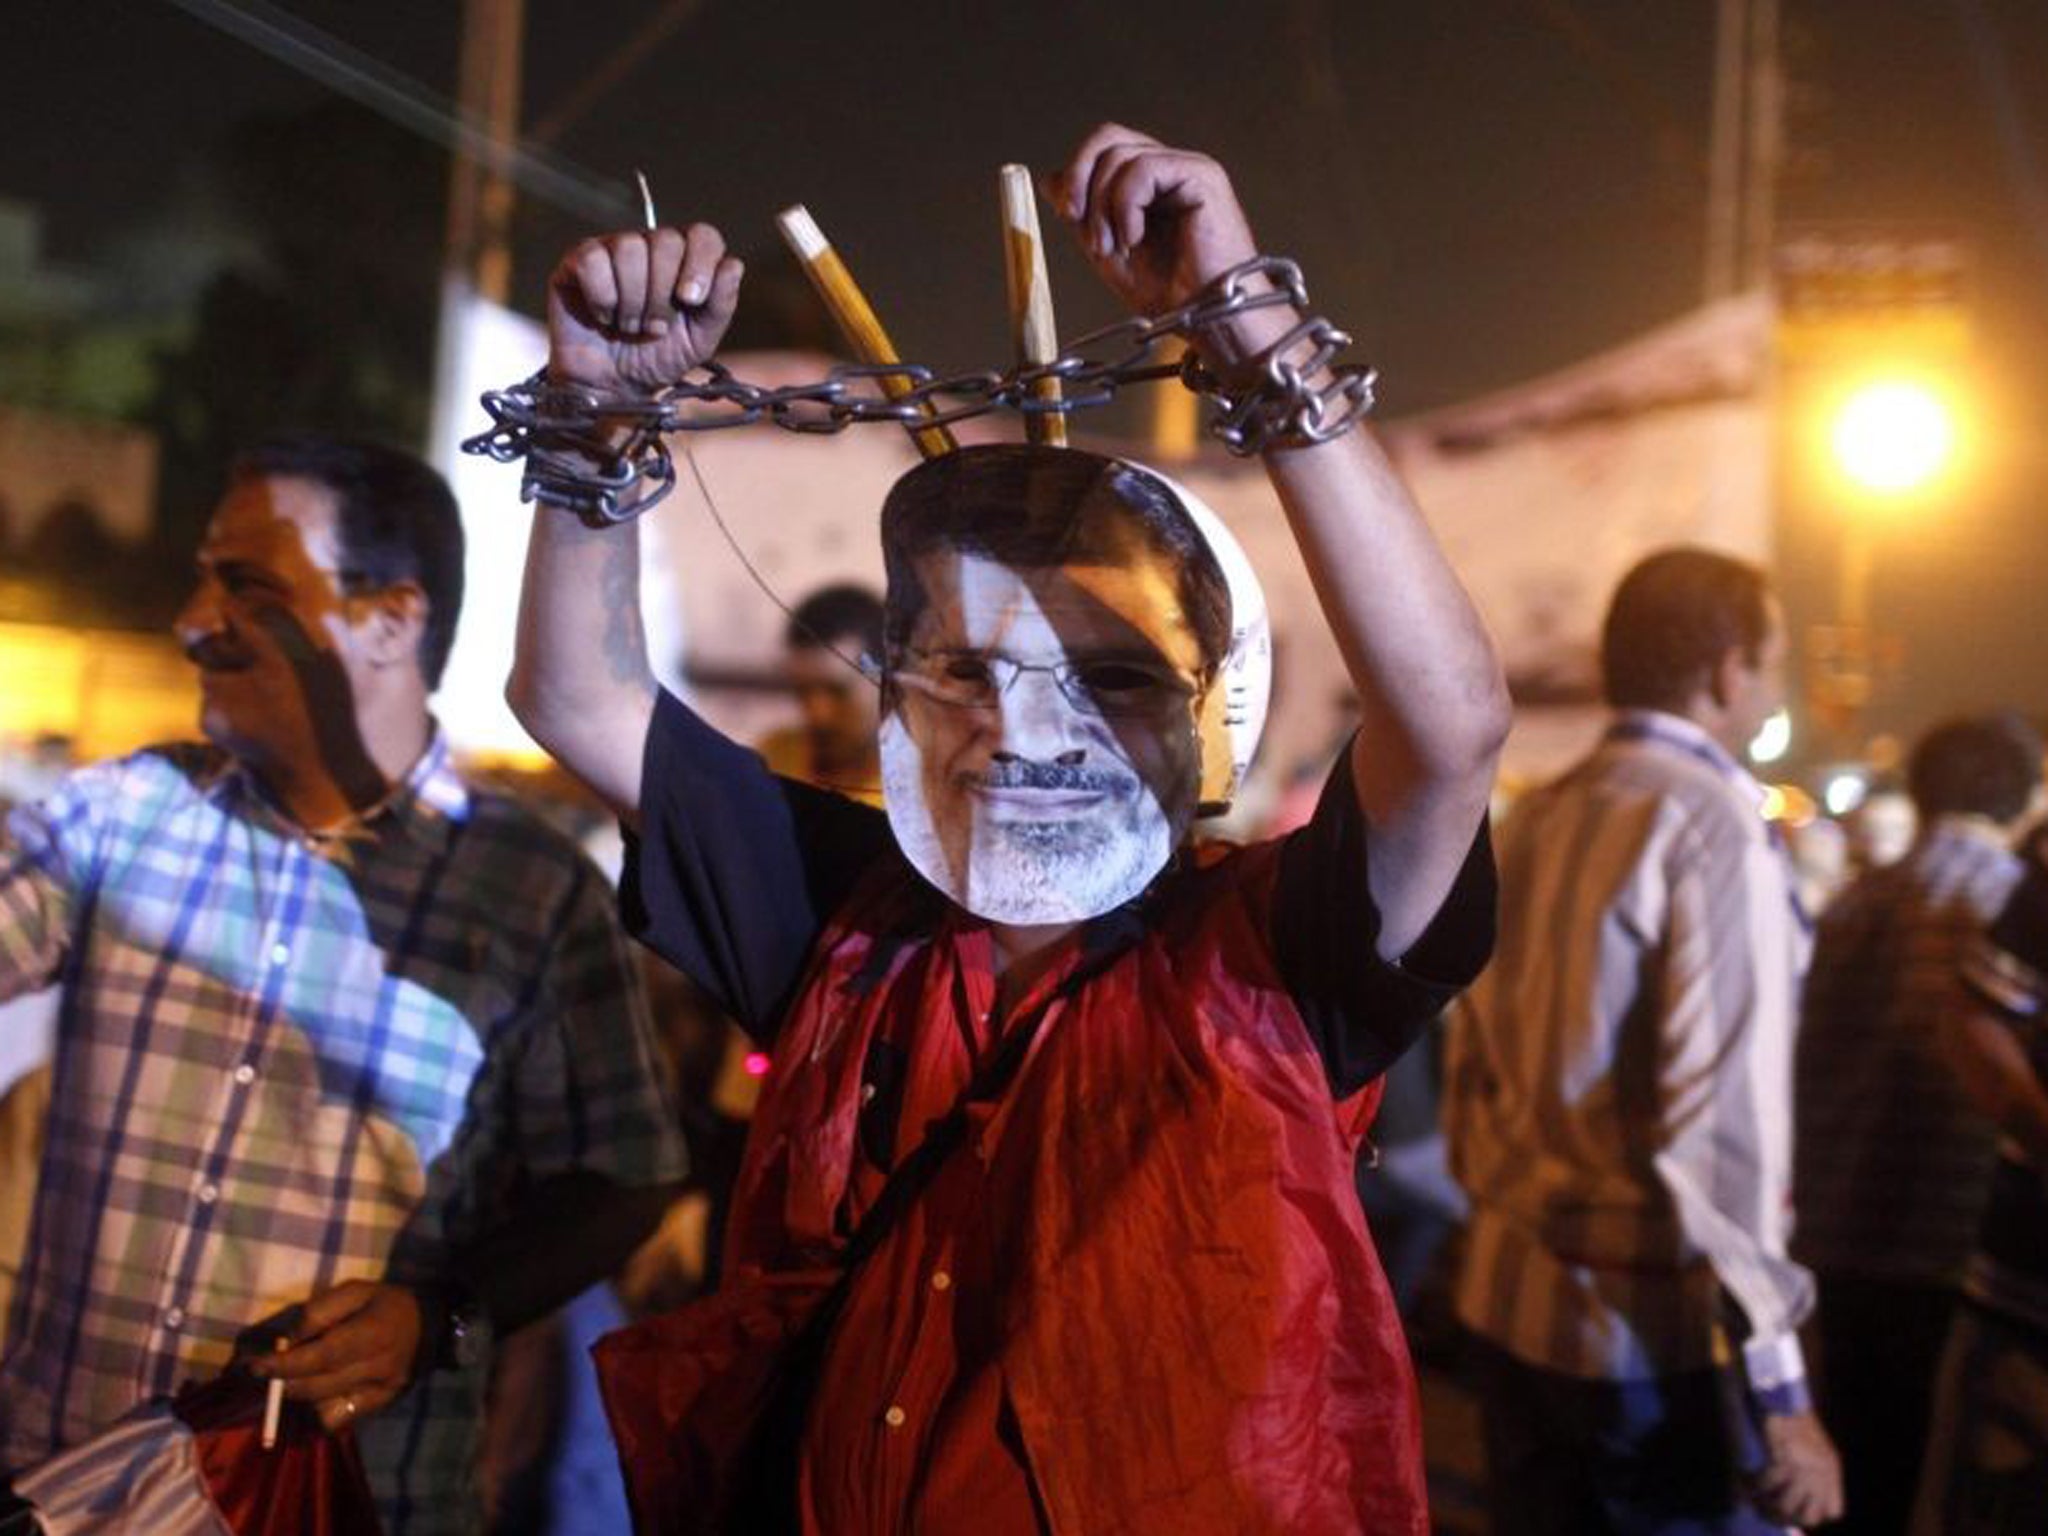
{"x": 558, "y": 429}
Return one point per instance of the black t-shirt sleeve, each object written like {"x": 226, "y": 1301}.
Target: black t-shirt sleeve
{"x": 1363, "y": 1011}
{"x": 733, "y": 871}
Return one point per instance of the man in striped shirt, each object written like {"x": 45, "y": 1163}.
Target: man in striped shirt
{"x": 350, "y": 1054}
{"x": 1619, "y": 1104}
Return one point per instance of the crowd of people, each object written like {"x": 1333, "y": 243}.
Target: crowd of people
{"x": 1696, "y": 1124}
{"x": 1049, "y": 1210}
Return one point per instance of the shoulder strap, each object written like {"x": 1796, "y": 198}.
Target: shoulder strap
{"x": 990, "y": 1081}
{"x": 770, "y": 1480}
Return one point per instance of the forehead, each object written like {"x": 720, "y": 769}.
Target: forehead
{"x": 809, "y": 666}
{"x": 281, "y": 522}
{"x": 1067, "y": 609}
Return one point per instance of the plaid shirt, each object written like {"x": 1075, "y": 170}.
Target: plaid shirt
{"x": 1619, "y": 1082}
{"x": 2007, "y": 968}
{"x": 1893, "y": 1156}
{"x": 285, "y": 1062}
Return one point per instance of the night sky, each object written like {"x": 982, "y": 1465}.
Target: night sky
{"x": 1479, "y": 189}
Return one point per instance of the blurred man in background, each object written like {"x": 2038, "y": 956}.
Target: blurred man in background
{"x": 1987, "y": 1456}
{"x": 1619, "y": 1103}
{"x": 1893, "y": 1156}
{"x": 832, "y": 653}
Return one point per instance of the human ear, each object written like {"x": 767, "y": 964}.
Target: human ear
{"x": 395, "y": 621}
{"x": 1724, "y": 678}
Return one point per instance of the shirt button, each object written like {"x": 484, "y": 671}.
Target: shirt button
{"x": 175, "y": 1318}
{"x": 279, "y": 954}
{"x": 941, "y": 1281}
{"x": 894, "y": 1417}
{"x": 245, "y": 1074}
{"x": 867, "y": 1093}
{"x": 208, "y": 1193}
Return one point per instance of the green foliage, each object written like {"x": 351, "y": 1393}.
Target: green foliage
{"x": 327, "y": 326}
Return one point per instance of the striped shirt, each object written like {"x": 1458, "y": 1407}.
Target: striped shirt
{"x": 285, "y": 1062}
{"x": 1893, "y": 1157}
{"x": 2007, "y": 969}
{"x": 1618, "y": 1095}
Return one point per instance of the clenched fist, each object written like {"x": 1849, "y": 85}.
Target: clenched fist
{"x": 635, "y": 311}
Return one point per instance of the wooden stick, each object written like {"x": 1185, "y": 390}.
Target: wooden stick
{"x": 857, "y": 320}
{"x": 1031, "y": 322}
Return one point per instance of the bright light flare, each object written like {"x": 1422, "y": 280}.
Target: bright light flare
{"x": 1844, "y": 792}
{"x": 1894, "y": 436}
{"x": 1774, "y": 740}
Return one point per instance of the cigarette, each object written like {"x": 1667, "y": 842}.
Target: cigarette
{"x": 273, "y": 1410}
{"x": 647, "y": 217}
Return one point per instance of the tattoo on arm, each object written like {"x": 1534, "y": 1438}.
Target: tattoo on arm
{"x": 625, "y": 638}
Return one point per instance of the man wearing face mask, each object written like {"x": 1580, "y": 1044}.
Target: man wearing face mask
{"x": 352, "y": 1056}
{"x": 1046, "y": 1221}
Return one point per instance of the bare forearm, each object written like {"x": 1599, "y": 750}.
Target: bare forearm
{"x": 628, "y": 315}
{"x": 1432, "y": 701}
{"x": 1429, "y": 683}
{"x": 580, "y": 679}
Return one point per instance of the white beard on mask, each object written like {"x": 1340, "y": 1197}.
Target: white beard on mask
{"x": 1022, "y": 870}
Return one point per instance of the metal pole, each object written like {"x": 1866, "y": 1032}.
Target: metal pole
{"x": 480, "y": 191}
{"x": 477, "y": 261}
{"x": 1724, "y": 169}
{"x": 1855, "y": 644}
{"x": 1766, "y": 144}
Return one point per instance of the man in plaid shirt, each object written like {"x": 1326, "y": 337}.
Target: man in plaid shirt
{"x": 350, "y": 1054}
{"x": 1986, "y": 1471}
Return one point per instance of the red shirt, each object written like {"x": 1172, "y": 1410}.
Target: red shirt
{"x": 1139, "y": 1297}
{"x": 908, "y": 1412}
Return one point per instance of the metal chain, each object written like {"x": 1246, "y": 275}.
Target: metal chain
{"x": 560, "y": 428}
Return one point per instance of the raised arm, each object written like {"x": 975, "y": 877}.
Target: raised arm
{"x": 628, "y": 314}
{"x": 1158, "y": 224}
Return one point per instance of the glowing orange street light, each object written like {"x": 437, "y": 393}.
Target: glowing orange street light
{"x": 1894, "y": 437}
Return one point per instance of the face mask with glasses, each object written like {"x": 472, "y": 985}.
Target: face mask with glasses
{"x": 1114, "y": 687}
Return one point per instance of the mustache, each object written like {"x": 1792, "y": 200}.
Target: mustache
{"x": 217, "y": 654}
{"x": 1026, "y": 773}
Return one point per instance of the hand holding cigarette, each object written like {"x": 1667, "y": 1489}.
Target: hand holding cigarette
{"x": 354, "y": 1353}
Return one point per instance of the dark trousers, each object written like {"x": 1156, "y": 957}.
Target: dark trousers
{"x": 1880, "y": 1349}
{"x": 1987, "y": 1461}
{"x": 1568, "y": 1456}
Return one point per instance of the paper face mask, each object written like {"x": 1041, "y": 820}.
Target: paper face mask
{"x": 1051, "y": 728}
